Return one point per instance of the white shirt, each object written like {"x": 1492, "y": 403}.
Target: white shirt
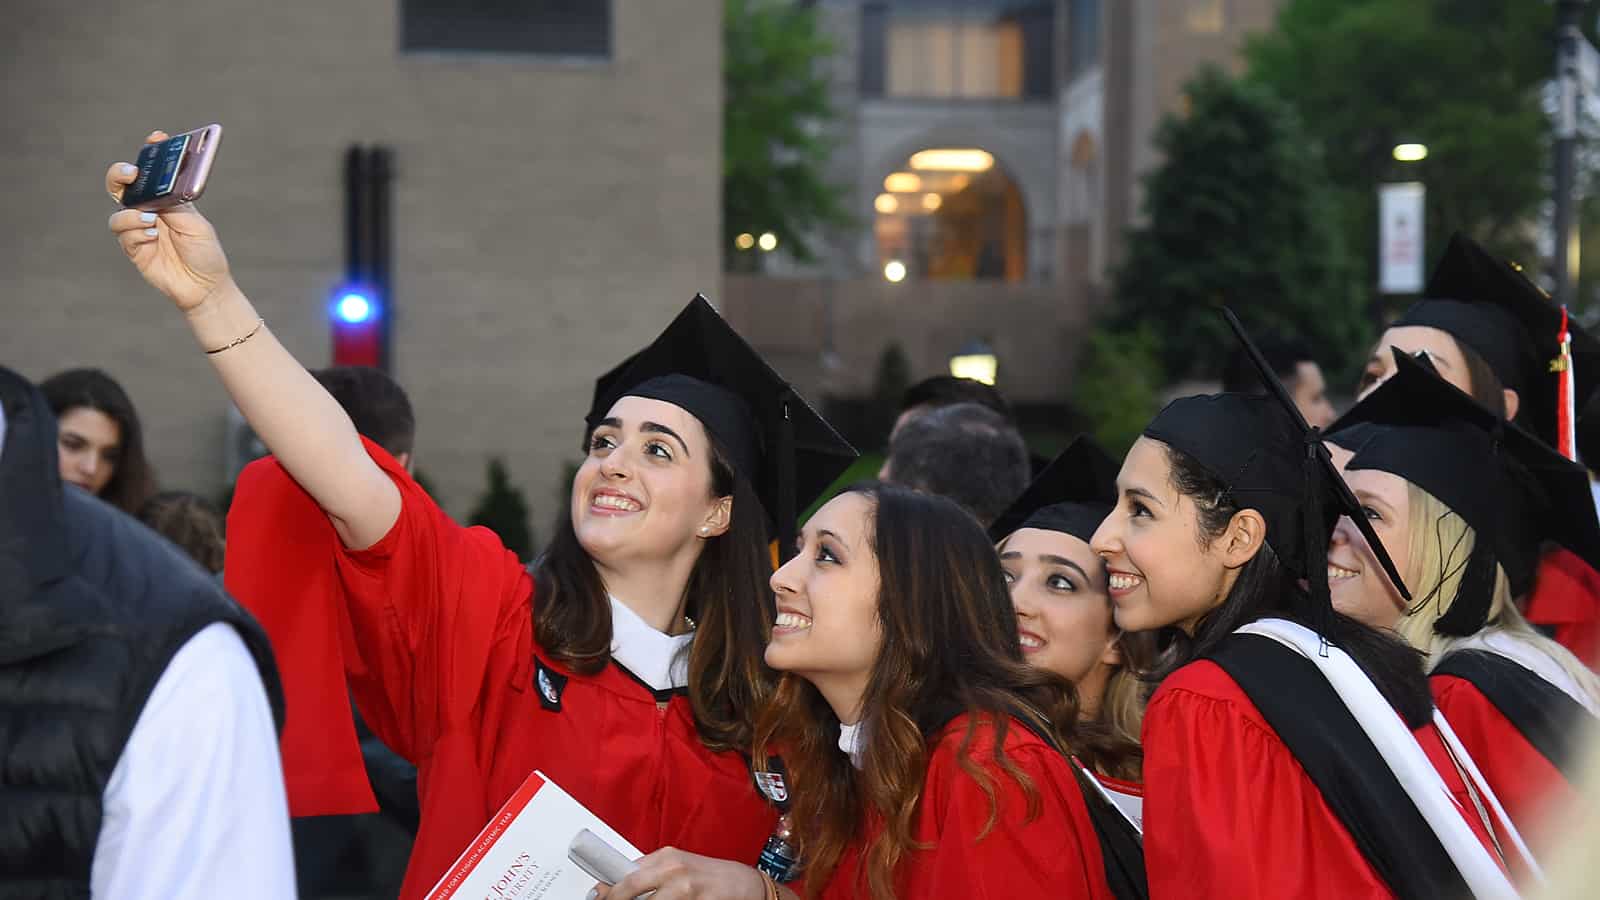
{"x": 658, "y": 659}
{"x": 853, "y": 742}
{"x": 195, "y": 807}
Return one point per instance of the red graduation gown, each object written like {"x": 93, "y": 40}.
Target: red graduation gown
{"x": 282, "y": 566}
{"x": 443, "y": 670}
{"x": 1229, "y": 812}
{"x": 1055, "y": 855}
{"x": 1528, "y": 784}
{"x": 1566, "y": 597}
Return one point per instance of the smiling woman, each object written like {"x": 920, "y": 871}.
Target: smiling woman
{"x": 1462, "y": 503}
{"x": 924, "y": 752}
{"x": 1060, "y": 590}
{"x": 1218, "y": 526}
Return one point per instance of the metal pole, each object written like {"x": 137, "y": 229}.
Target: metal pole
{"x": 1569, "y": 40}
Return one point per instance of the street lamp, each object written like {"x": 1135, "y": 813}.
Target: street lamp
{"x": 975, "y": 361}
{"x": 768, "y": 242}
{"x": 1410, "y": 152}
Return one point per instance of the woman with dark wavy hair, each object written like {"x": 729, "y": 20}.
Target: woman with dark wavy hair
{"x": 1289, "y": 750}
{"x": 1064, "y": 622}
{"x": 925, "y": 754}
{"x": 99, "y": 442}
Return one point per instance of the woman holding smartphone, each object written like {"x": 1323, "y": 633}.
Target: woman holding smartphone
{"x": 626, "y": 665}
{"x": 926, "y": 754}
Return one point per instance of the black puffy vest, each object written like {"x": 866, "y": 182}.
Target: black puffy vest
{"x": 93, "y": 606}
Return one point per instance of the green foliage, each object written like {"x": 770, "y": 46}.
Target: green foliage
{"x": 865, "y": 468}
{"x": 889, "y": 385}
{"x": 1461, "y": 76}
{"x": 775, "y": 109}
{"x": 1118, "y": 385}
{"x": 1239, "y": 214}
{"x": 503, "y": 510}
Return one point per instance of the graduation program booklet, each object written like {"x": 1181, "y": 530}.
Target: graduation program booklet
{"x": 522, "y": 854}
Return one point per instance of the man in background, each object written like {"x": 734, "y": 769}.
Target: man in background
{"x": 965, "y": 452}
{"x": 1291, "y": 361}
{"x": 330, "y": 825}
{"x": 947, "y": 390}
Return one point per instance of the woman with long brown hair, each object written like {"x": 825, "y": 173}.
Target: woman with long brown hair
{"x": 626, "y": 666}
{"x": 100, "y": 442}
{"x": 925, "y": 754}
{"x": 1062, "y": 597}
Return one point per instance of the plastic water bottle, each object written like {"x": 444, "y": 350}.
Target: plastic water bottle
{"x": 779, "y": 858}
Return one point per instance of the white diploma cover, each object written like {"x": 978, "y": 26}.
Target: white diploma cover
{"x": 522, "y": 854}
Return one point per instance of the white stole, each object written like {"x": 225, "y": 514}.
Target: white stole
{"x": 1406, "y": 758}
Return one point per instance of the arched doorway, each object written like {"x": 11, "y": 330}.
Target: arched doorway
{"x": 953, "y": 214}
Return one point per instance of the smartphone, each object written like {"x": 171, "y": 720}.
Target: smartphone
{"x": 173, "y": 171}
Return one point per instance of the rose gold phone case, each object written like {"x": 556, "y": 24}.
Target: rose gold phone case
{"x": 196, "y": 165}
{"x": 194, "y": 168}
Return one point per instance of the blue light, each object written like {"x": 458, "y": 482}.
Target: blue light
{"x": 354, "y": 308}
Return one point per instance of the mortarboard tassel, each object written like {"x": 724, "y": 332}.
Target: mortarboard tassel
{"x": 1566, "y": 415}
{"x": 787, "y": 515}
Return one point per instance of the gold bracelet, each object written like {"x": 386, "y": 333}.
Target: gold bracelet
{"x": 769, "y": 884}
{"x": 237, "y": 341}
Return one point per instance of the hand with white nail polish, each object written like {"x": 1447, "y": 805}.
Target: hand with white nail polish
{"x": 176, "y": 250}
{"x": 671, "y": 874}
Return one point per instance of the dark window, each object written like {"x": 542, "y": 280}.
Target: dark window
{"x": 874, "y": 39}
{"x": 1083, "y": 36}
{"x": 973, "y": 49}
{"x": 543, "y": 27}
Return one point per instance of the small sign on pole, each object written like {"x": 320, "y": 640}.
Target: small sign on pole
{"x": 1400, "y": 232}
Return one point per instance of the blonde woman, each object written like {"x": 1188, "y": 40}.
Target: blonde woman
{"x": 1462, "y": 503}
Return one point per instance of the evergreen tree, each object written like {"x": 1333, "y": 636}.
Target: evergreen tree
{"x": 1463, "y": 77}
{"x": 1117, "y": 389}
{"x": 1238, "y": 214}
{"x": 889, "y": 386}
{"x": 503, "y": 510}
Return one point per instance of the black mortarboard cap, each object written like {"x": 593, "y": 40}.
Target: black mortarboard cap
{"x": 1072, "y": 495}
{"x": 1271, "y": 461}
{"x": 1487, "y": 304}
{"x": 775, "y": 440}
{"x": 1509, "y": 486}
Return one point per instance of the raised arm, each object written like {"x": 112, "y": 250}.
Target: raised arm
{"x": 178, "y": 253}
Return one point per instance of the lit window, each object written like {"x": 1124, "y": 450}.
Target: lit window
{"x": 994, "y": 49}
{"x": 1206, "y": 16}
